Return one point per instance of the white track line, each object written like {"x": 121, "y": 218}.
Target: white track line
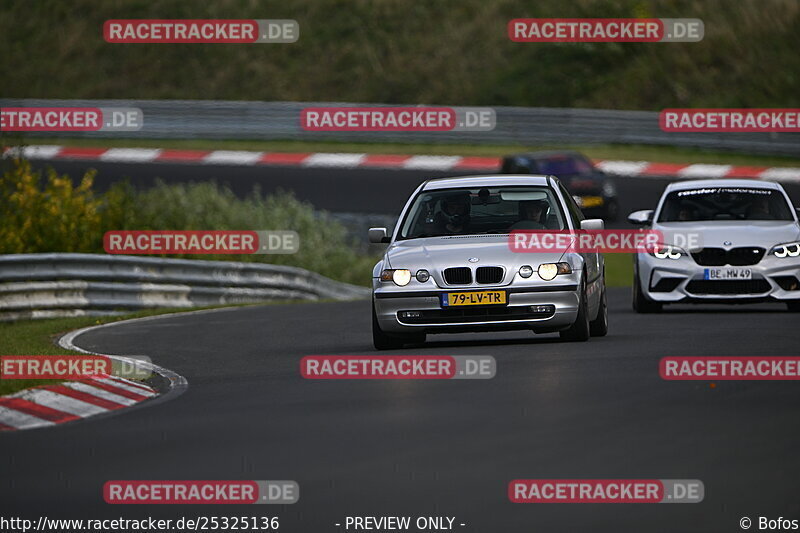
{"x": 334, "y": 160}
{"x": 122, "y": 386}
{"x": 34, "y": 152}
{"x": 781, "y": 174}
{"x": 129, "y": 382}
{"x": 130, "y": 155}
{"x": 628, "y": 168}
{"x": 232, "y": 157}
{"x": 431, "y": 162}
{"x": 704, "y": 171}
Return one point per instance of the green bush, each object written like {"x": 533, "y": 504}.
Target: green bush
{"x": 46, "y": 214}
{"x": 50, "y": 214}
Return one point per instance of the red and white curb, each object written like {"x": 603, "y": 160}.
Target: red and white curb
{"x": 68, "y": 401}
{"x": 392, "y": 162}
{"x": 697, "y": 171}
{"x": 50, "y": 405}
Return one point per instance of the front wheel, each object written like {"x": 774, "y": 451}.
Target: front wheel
{"x": 641, "y": 303}
{"x": 384, "y": 341}
{"x": 599, "y": 326}
{"x": 381, "y": 340}
{"x": 579, "y": 330}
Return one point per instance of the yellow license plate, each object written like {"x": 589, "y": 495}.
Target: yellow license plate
{"x": 591, "y": 201}
{"x": 473, "y": 298}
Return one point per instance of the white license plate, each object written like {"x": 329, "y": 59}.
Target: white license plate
{"x": 728, "y": 273}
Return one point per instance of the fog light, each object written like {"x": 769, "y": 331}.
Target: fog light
{"x": 410, "y": 314}
{"x": 423, "y": 276}
{"x": 542, "y": 309}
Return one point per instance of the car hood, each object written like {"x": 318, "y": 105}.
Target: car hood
{"x": 732, "y": 234}
{"x": 437, "y": 253}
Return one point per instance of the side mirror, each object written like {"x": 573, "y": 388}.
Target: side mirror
{"x": 641, "y": 218}
{"x": 378, "y": 235}
{"x": 592, "y": 224}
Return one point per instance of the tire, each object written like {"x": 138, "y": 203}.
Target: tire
{"x": 793, "y": 307}
{"x": 579, "y": 330}
{"x": 413, "y": 338}
{"x": 599, "y": 326}
{"x": 641, "y": 303}
{"x": 384, "y": 341}
{"x": 381, "y": 340}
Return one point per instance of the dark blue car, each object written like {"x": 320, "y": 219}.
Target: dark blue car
{"x": 592, "y": 189}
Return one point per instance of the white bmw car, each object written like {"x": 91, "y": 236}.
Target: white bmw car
{"x": 739, "y": 243}
{"x": 449, "y": 266}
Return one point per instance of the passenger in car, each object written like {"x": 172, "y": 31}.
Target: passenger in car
{"x": 533, "y": 214}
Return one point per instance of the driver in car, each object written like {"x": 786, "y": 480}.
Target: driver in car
{"x": 759, "y": 209}
{"x": 454, "y": 217}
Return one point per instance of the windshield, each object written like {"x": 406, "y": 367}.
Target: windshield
{"x": 495, "y": 210}
{"x": 724, "y": 203}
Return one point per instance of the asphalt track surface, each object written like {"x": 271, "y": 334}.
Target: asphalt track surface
{"x": 445, "y": 448}
{"x": 358, "y": 190}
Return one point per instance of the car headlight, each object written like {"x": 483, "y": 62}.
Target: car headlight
{"x": 526, "y": 271}
{"x": 423, "y": 276}
{"x": 666, "y": 251}
{"x": 791, "y": 249}
{"x": 548, "y": 271}
{"x": 400, "y": 277}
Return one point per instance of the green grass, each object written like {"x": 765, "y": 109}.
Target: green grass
{"x": 448, "y": 52}
{"x": 661, "y": 154}
{"x": 619, "y": 270}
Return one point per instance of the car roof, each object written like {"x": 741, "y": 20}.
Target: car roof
{"x": 501, "y": 180}
{"x": 726, "y": 182}
{"x": 546, "y": 154}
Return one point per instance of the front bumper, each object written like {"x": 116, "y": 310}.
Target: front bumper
{"x": 683, "y": 280}
{"x": 561, "y": 298}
